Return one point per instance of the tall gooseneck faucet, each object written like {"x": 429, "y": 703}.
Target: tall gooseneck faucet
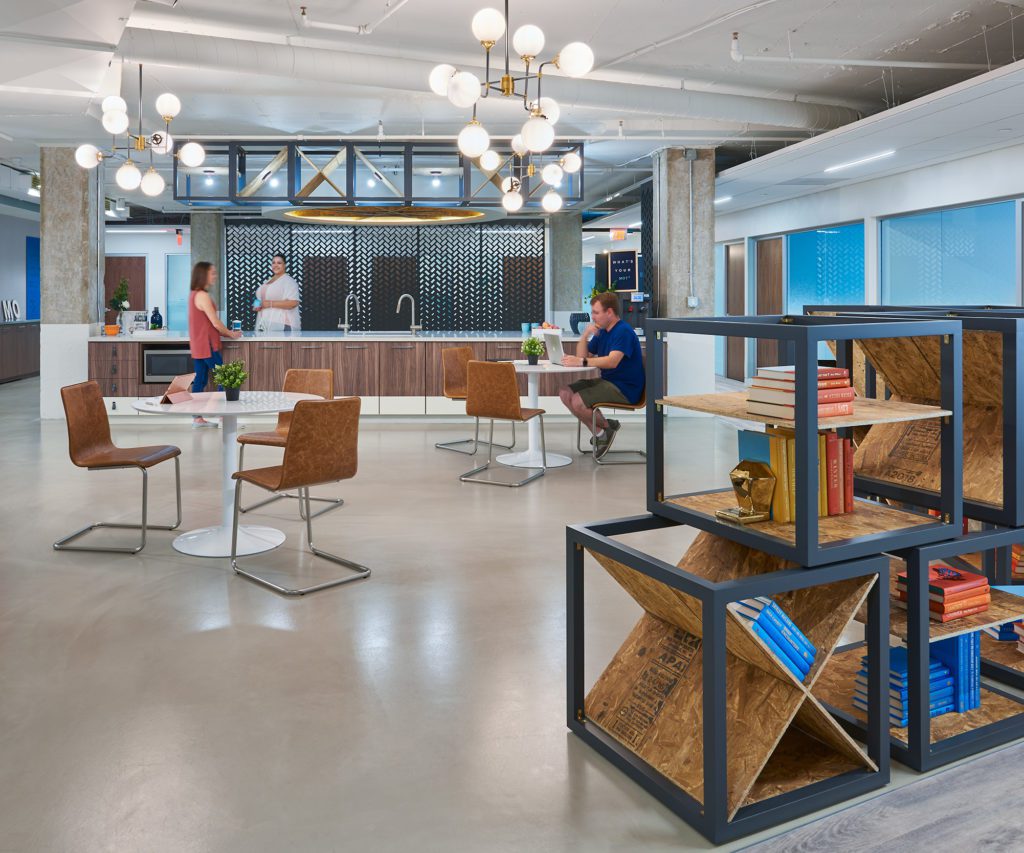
{"x": 348, "y": 299}
{"x": 413, "y": 328}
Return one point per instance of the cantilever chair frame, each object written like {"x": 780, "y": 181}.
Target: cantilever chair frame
{"x": 616, "y": 454}
{"x": 453, "y": 446}
{"x": 469, "y": 476}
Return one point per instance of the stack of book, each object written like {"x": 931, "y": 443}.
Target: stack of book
{"x": 774, "y": 627}
{"x": 772, "y": 393}
{"x": 1017, "y": 561}
{"x": 941, "y": 688}
{"x": 1005, "y": 633}
{"x": 962, "y": 654}
{"x": 776, "y": 448}
{"x": 952, "y": 593}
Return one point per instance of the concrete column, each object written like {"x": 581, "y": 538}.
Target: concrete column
{"x": 683, "y": 265}
{"x": 71, "y": 257}
{"x": 673, "y": 266}
{"x": 565, "y": 253}
{"x": 207, "y": 237}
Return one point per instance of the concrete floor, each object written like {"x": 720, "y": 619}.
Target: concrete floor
{"x": 160, "y": 703}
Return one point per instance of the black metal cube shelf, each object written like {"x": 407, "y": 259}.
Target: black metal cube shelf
{"x": 696, "y": 709}
{"x": 810, "y": 541}
{"x": 928, "y": 742}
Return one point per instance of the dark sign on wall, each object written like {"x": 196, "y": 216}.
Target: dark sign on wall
{"x": 623, "y": 270}
{"x": 464, "y": 277}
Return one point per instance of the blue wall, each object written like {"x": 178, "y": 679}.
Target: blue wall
{"x": 825, "y": 267}
{"x": 31, "y": 278}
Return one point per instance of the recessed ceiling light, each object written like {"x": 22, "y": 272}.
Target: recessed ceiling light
{"x": 274, "y": 182}
{"x": 634, "y": 224}
{"x": 880, "y": 155}
{"x": 209, "y": 181}
{"x": 591, "y": 237}
{"x": 723, "y": 199}
{"x": 436, "y": 182}
{"x": 371, "y": 183}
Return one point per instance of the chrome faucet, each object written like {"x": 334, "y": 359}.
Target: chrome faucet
{"x": 413, "y": 328}
{"x": 345, "y": 326}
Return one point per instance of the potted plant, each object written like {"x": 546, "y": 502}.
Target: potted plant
{"x": 534, "y": 349}
{"x": 230, "y": 376}
{"x": 119, "y": 303}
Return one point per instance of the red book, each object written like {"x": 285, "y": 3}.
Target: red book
{"x": 945, "y": 580}
{"x": 788, "y": 413}
{"x": 787, "y": 397}
{"x": 847, "y": 475}
{"x": 952, "y": 606}
{"x": 790, "y": 384}
{"x": 789, "y": 372}
{"x": 954, "y": 598}
{"x": 833, "y": 478}
{"x": 948, "y": 617}
{"x": 834, "y": 410}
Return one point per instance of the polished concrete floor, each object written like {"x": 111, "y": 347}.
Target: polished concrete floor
{"x": 160, "y": 703}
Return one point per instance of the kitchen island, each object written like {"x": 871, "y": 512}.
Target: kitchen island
{"x": 394, "y": 373}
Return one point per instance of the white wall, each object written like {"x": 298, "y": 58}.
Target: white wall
{"x": 13, "y": 231}
{"x": 156, "y": 245}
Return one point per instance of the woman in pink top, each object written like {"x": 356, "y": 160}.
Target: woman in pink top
{"x": 204, "y": 330}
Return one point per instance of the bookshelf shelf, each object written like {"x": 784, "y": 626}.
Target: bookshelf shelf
{"x": 866, "y": 411}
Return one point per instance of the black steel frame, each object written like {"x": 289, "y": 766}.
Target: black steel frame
{"x": 471, "y": 179}
{"x": 710, "y": 817}
{"x": 918, "y": 751}
{"x": 799, "y": 337}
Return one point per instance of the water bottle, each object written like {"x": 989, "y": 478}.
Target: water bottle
{"x": 156, "y": 321}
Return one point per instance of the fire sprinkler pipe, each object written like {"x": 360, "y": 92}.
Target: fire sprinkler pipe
{"x": 391, "y": 7}
{"x": 738, "y": 56}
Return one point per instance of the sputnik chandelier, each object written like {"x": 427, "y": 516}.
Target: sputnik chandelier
{"x": 464, "y": 89}
{"x": 115, "y": 122}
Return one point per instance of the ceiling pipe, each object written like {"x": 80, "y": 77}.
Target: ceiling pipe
{"x": 391, "y": 7}
{"x": 409, "y": 75}
{"x": 738, "y": 56}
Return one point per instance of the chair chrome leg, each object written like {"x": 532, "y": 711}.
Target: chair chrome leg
{"x": 334, "y": 502}
{"x": 359, "y": 571}
{"x": 474, "y": 441}
{"x": 611, "y": 457}
{"x": 470, "y": 476}
{"x": 62, "y": 544}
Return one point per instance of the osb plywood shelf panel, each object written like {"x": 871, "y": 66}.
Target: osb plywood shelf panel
{"x": 733, "y": 404}
{"x": 867, "y": 518}
{"x": 649, "y": 698}
{"x": 1004, "y": 607}
{"x": 1001, "y": 651}
{"x": 835, "y": 688}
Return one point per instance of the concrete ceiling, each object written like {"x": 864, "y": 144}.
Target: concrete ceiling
{"x": 664, "y": 75}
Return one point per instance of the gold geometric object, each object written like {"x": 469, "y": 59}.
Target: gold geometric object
{"x": 753, "y": 483}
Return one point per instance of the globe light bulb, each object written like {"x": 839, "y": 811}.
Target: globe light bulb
{"x": 192, "y": 154}
{"x": 538, "y": 134}
{"x": 473, "y": 139}
{"x": 571, "y": 162}
{"x": 115, "y": 123}
{"x": 552, "y": 174}
{"x": 488, "y": 25}
{"x": 88, "y": 156}
{"x": 548, "y": 107}
{"x": 439, "y": 77}
{"x": 114, "y": 104}
{"x": 512, "y": 201}
{"x": 161, "y": 142}
{"x": 528, "y": 40}
{"x": 490, "y": 161}
{"x": 464, "y": 89}
{"x": 518, "y": 145}
{"x": 153, "y": 182}
{"x": 575, "y": 59}
{"x": 551, "y": 201}
{"x": 128, "y": 177}
{"x": 509, "y": 184}
{"x": 168, "y": 106}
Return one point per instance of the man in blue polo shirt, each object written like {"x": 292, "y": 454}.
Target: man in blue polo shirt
{"x": 613, "y": 346}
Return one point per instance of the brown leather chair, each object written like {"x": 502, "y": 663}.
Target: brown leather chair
{"x": 296, "y": 381}
{"x": 321, "y": 447}
{"x": 90, "y": 446}
{"x": 454, "y": 363}
{"x": 493, "y": 393}
{"x": 618, "y": 455}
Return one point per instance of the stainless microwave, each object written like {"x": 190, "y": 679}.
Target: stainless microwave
{"x": 160, "y": 364}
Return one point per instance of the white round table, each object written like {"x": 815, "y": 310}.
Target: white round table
{"x": 216, "y": 541}
{"x": 531, "y": 457}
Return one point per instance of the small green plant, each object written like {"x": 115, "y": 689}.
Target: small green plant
{"x": 119, "y": 298}
{"x": 598, "y": 289}
{"x": 230, "y": 375}
{"x": 533, "y": 346}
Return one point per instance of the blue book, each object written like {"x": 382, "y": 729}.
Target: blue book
{"x": 902, "y": 691}
{"x": 901, "y": 722}
{"x": 784, "y": 659}
{"x": 790, "y": 650}
{"x": 951, "y": 652}
{"x": 899, "y": 663}
{"x": 945, "y": 698}
{"x": 975, "y": 669}
{"x": 754, "y": 446}
{"x": 753, "y": 608}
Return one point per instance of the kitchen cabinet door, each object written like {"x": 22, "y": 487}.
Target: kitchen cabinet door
{"x": 269, "y": 360}
{"x": 310, "y": 355}
{"x": 355, "y": 368}
{"x": 434, "y": 370}
{"x": 402, "y": 368}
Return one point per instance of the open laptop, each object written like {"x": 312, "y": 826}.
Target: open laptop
{"x": 553, "y": 345}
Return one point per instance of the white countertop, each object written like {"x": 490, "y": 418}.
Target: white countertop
{"x": 438, "y": 337}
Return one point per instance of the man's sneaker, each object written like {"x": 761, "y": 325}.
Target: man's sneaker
{"x": 604, "y": 441}
{"x": 610, "y": 422}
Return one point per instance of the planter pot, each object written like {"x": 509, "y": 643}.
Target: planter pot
{"x": 111, "y": 330}
{"x": 532, "y": 359}
{"x": 231, "y": 394}
{"x": 576, "y": 318}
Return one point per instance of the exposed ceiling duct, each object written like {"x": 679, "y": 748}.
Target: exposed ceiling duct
{"x": 409, "y": 75}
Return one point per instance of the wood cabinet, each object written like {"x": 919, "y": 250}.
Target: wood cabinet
{"x": 19, "y": 351}
{"x": 269, "y": 360}
{"x": 116, "y": 367}
{"x": 435, "y": 371}
{"x": 402, "y": 367}
{"x": 310, "y": 355}
{"x": 355, "y": 368}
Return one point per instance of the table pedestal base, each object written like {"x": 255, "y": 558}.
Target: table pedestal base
{"x": 531, "y": 459}
{"x": 216, "y": 541}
